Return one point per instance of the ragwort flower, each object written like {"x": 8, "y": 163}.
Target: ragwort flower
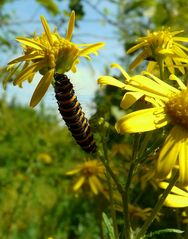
{"x": 89, "y": 174}
{"x": 168, "y": 105}
{"x": 162, "y": 46}
{"x": 47, "y": 54}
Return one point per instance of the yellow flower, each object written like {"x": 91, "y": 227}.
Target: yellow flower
{"x": 47, "y": 54}
{"x": 162, "y": 46}
{"x": 90, "y": 174}
{"x": 45, "y": 158}
{"x": 177, "y": 198}
{"x": 168, "y": 105}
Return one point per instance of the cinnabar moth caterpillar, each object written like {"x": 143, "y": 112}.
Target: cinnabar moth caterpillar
{"x": 71, "y": 111}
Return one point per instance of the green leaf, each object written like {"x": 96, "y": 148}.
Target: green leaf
{"x": 163, "y": 231}
{"x": 109, "y": 227}
{"x": 50, "y": 6}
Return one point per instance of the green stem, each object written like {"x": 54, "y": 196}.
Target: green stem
{"x": 157, "y": 207}
{"x": 113, "y": 176}
{"x": 125, "y": 195}
{"x": 109, "y": 173}
{"x": 125, "y": 201}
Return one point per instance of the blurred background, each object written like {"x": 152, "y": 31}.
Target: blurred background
{"x": 36, "y": 149}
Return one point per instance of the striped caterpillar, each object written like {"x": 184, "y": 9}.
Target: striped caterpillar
{"x": 71, "y": 111}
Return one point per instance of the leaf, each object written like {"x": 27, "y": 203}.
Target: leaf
{"x": 50, "y": 6}
{"x": 109, "y": 226}
{"x": 163, "y": 231}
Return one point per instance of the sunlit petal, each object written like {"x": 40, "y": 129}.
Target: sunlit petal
{"x": 41, "y": 88}
{"x": 169, "y": 153}
{"x": 142, "y": 121}
{"x": 174, "y": 189}
{"x": 109, "y": 80}
{"x": 30, "y": 43}
{"x": 28, "y": 57}
{"x": 136, "y": 47}
{"x": 70, "y": 28}
{"x": 47, "y": 30}
{"x": 26, "y": 73}
{"x": 176, "y": 201}
{"x": 129, "y": 99}
{"x": 138, "y": 60}
{"x": 124, "y": 73}
{"x": 183, "y": 163}
{"x": 91, "y": 49}
{"x": 13, "y": 71}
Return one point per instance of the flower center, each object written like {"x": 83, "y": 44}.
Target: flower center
{"x": 159, "y": 41}
{"x": 177, "y": 108}
{"x": 67, "y": 53}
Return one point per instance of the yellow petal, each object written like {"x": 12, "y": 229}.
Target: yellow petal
{"x": 151, "y": 66}
{"x": 47, "y": 30}
{"x": 161, "y": 88}
{"x": 97, "y": 182}
{"x": 177, "y": 48}
{"x": 169, "y": 64}
{"x": 41, "y": 88}
{"x": 138, "y": 60}
{"x": 166, "y": 52}
{"x": 91, "y": 49}
{"x": 174, "y": 190}
{"x": 93, "y": 185}
{"x": 129, "y": 99}
{"x": 27, "y": 72}
{"x": 74, "y": 171}
{"x": 31, "y": 43}
{"x": 169, "y": 153}
{"x": 24, "y": 58}
{"x": 13, "y": 71}
{"x": 109, "y": 80}
{"x": 176, "y": 201}
{"x": 181, "y": 47}
{"x": 79, "y": 183}
{"x": 142, "y": 121}
{"x": 70, "y": 28}
{"x": 136, "y": 47}
{"x": 179, "y": 66}
{"x": 124, "y": 73}
{"x": 176, "y": 33}
{"x": 183, "y": 159}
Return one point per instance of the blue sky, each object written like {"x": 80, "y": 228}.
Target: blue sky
{"x": 92, "y": 29}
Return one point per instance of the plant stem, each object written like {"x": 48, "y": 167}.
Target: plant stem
{"x": 125, "y": 201}
{"x": 125, "y": 195}
{"x": 109, "y": 173}
{"x": 157, "y": 207}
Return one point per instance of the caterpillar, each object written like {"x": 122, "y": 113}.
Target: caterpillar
{"x": 71, "y": 111}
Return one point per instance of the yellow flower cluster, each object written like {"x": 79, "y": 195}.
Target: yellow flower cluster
{"x": 89, "y": 174}
{"x": 162, "y": 47}
{"x": 48, "y": 54}
{"x": 167, "y": 104}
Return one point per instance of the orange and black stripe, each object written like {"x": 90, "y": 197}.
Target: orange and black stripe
{"x": 71, "y": 111}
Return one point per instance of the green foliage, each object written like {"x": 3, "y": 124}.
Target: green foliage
{"x": 77, "y": 6}
{"x": 35, "y": 199}
{"x": 50, "y": 6}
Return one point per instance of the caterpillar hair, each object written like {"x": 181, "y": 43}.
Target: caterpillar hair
{"x": 71, "y": 111}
